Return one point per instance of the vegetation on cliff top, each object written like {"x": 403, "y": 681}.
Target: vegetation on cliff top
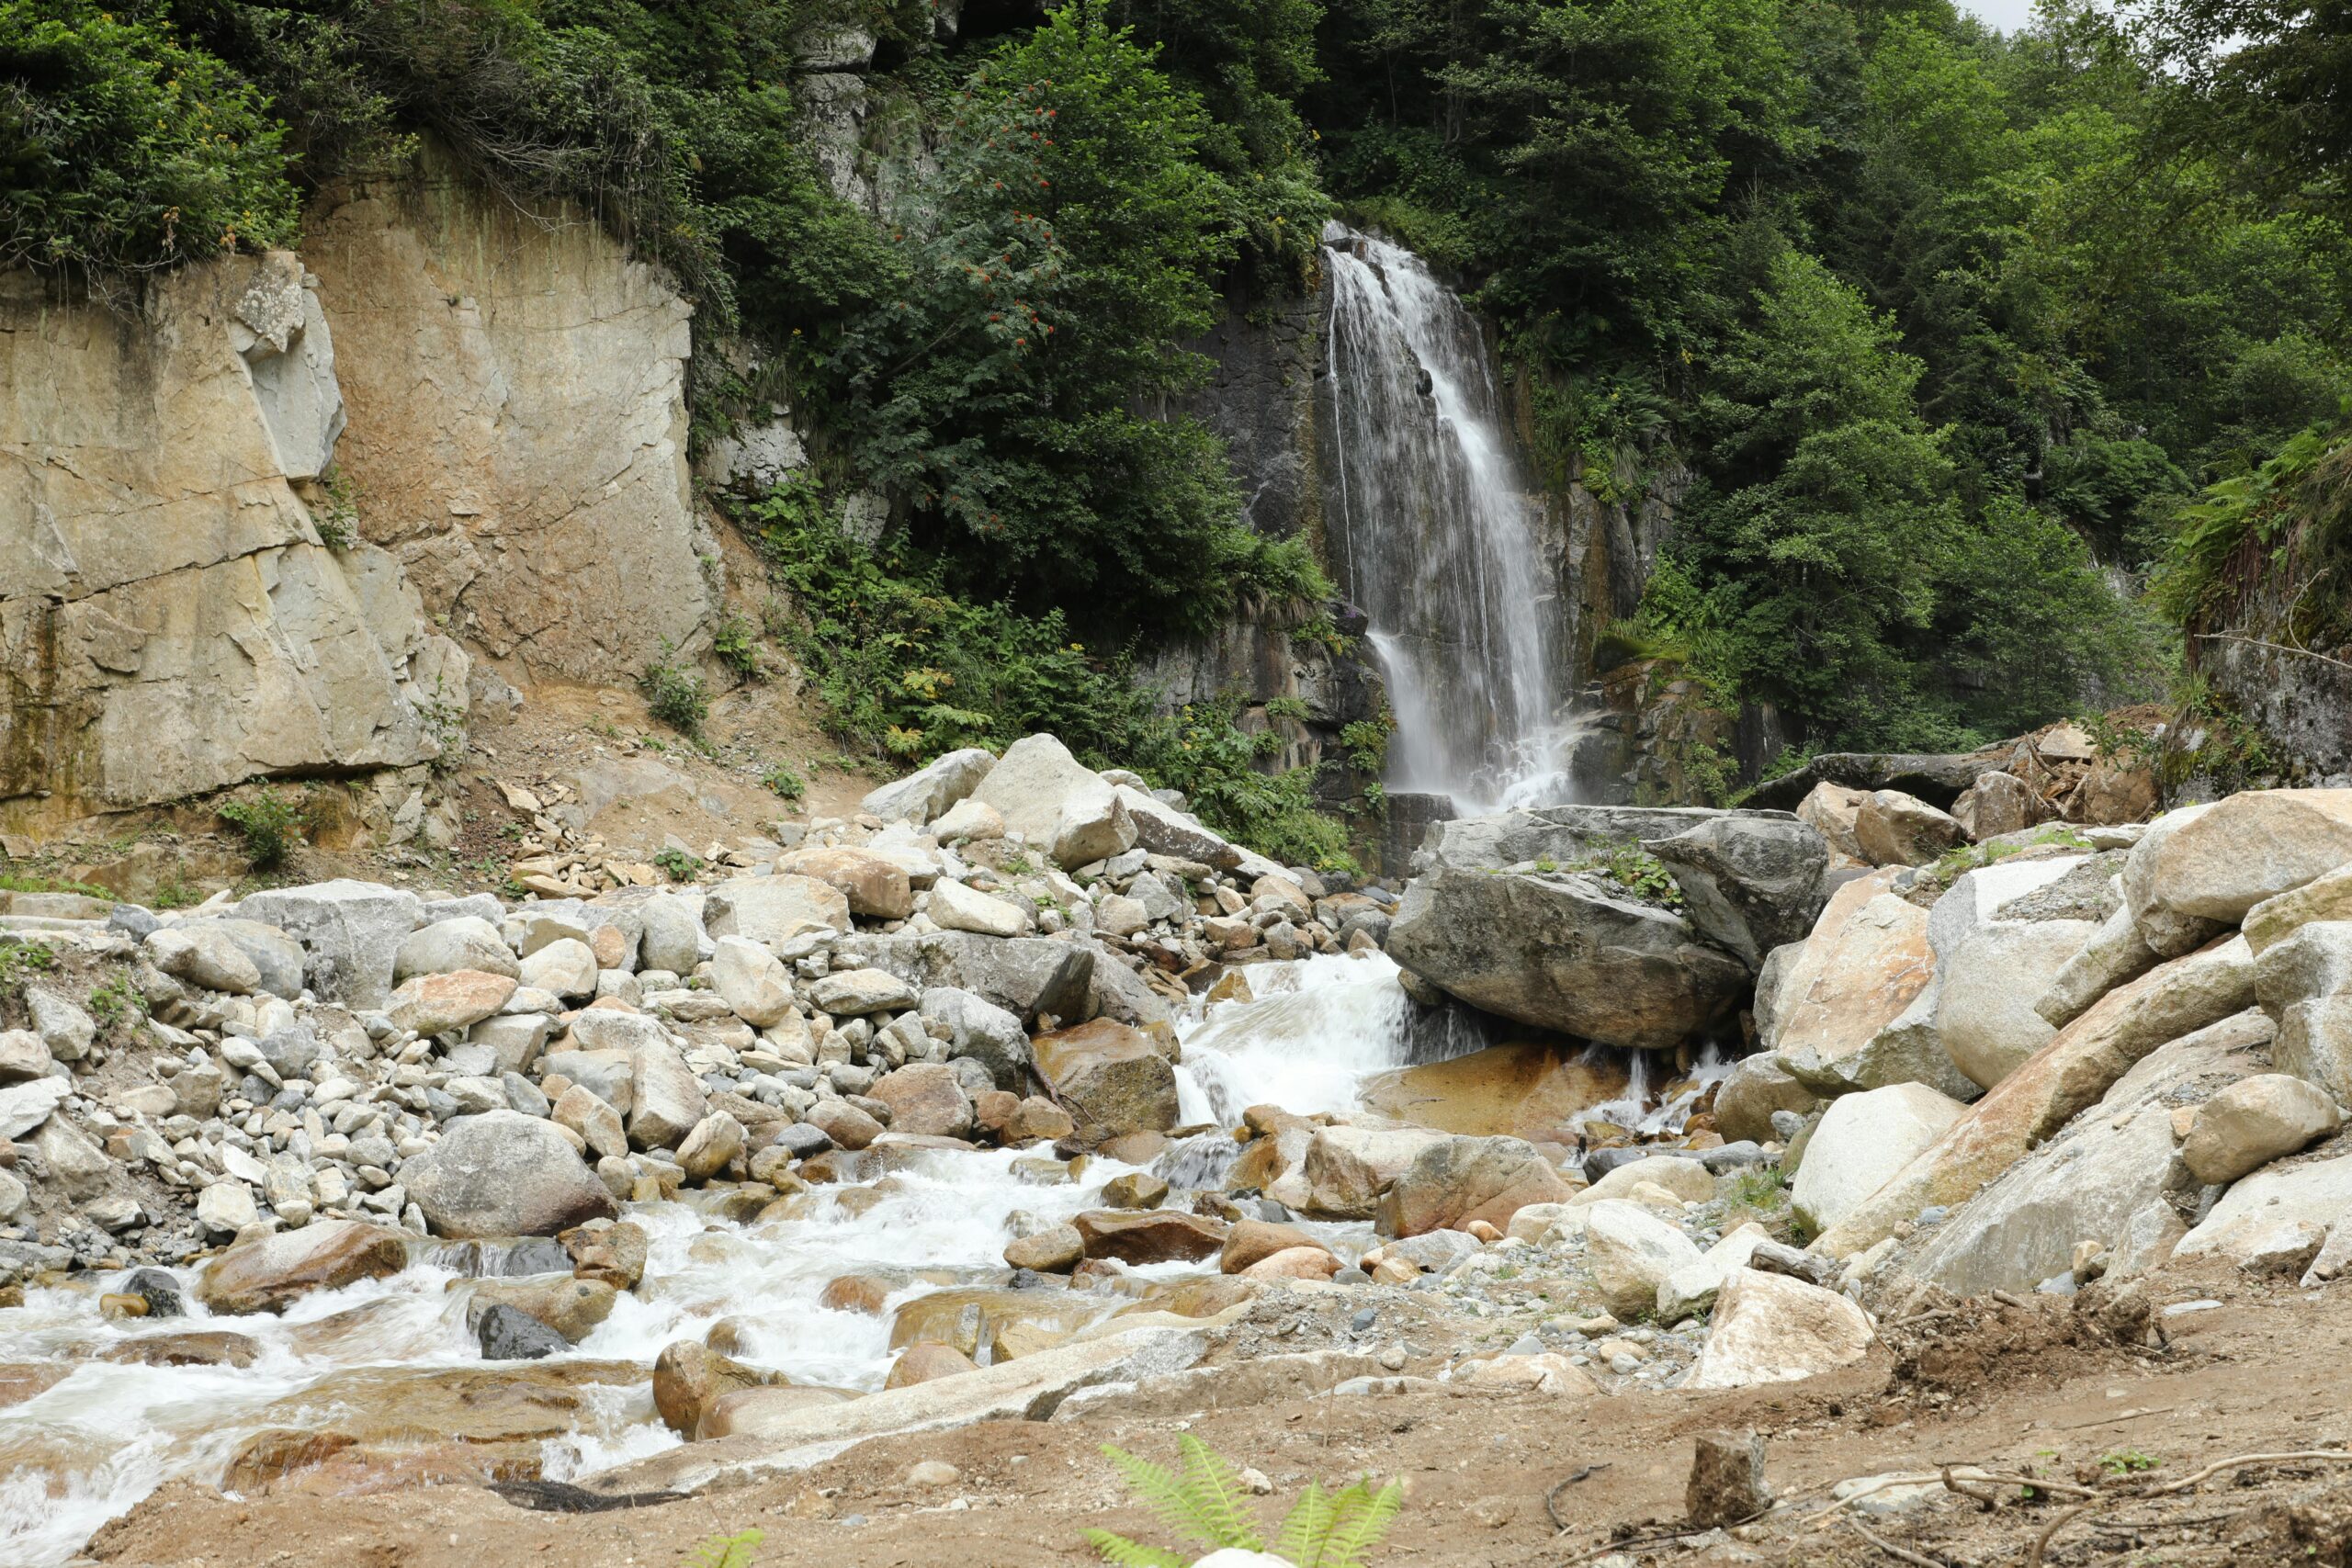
{"x": 1948, "y": 330}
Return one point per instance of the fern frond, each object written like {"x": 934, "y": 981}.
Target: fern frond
{"x": 1166, "y": 1494}
{"x": 1361, "y": 1529}
{"x": 1308, "y": 1526}
{"x": 1217, "y": 1498}
{"x": 1126, "y": 1553}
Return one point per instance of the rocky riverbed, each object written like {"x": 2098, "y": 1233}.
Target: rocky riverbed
{"x": 1021, "y": 1096}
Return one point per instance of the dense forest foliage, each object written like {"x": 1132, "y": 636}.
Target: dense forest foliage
{"x": 1944, "y": 334}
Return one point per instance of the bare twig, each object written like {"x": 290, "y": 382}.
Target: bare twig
{"x": 2115, "y": 1420}
{"x": 1985, "y": 1500}
{"x": 2038, "y": 1482}
{"x": 1902, "y": 1554}
{"x": 1558, "y": 1525}
{"x": 1591, "y": 1552}
{"x": 2331, "y": 1456}
{"x": 2273, "y": 647}
{"x": 2041, "y": 1542}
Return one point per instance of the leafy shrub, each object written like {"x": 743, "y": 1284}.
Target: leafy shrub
{"x": 270, "y": 823}
{"x": 737, "y": 642}
{"x": 726, "y": 1551}
{"x": 1203, "y": 1502}
{"x": 19, "y": 961}
{"x": 674, "y": 694}
{"x": 677, "y": 864}
{"x": 337, "y": 517}
{"x": 122, "y": 150}
{"x": 788, "y": 784}
{"x": 116, "y": 1000}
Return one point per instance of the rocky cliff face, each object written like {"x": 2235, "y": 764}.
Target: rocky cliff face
{"x": 171, "y": 621}
{"x": 2274, "y": 653}
{"x": 518, "y": 424}
{"x": 1260, "y": 399}
{"x": 500, "y": 395}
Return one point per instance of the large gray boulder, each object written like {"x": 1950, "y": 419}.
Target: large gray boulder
{"x": 1056, "y": 803}
{"x": 1756, "y": 1086}
{"x": 1024, "y": 976}
{"x": 667, "y": 1099}
{"x": 1990, "y": 968}
{"x": 2221, "y": 861}
{"x": 932, "y": 789}
{"x": 1565, "y": 951}
{"x": 1861, "y": 1142}
{"x": 2114, "y": 955}
{"x": 502, "y": 1173}
{"x": 2254, "y": 1122}
{"x": 1164, "y": 830}
{"x": 673, "y": 938}
{"x": 1750, "y": 882}
{"x": 352, "y": 930}
{"x": 1562, "y": 834}
{"x": 1855, "y": 1007}
{"x": 1896, "y": 828}
{"x": 771, "y": 910}
{"x": 1632, "y": 1252}
{"x": 278, "y": 957}
{"x": 2305, "y": 982}
{"x": 981, "y": 1030}
{"x": 445, "y": 947}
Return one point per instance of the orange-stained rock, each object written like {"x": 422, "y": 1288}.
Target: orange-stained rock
{"x": 926, "y": 1361}
{"x": 1294, "y": 1263}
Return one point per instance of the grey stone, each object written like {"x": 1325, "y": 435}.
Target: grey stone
{"x": 502, "y": 1173}
{"x": 509, "y": 1333}
{"x": 1751, "y": 883}
{"x": 352, "y": 929}
{"x": 981, "y": 1030}
{"x": 1564, "y": 952}
{"x": 925, "y": 794}
{"x": 1024, "y": 976}
{"x": 467, "y": 941}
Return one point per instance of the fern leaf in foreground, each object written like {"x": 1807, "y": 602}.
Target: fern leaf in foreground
{"x": 1118, "y": 1550}
{"x": 1166, "y": 1494}
{"x": 1363, "y": 1518}
{"x": 1217, "y": 1498}
{"x": 1309, "y": 1522}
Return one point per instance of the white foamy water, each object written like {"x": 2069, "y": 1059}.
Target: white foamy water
{"x": 90, "y": 1447}
{"x": 1315, "y": 1030}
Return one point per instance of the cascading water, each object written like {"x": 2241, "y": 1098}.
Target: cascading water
{"x": 1436, "y": 534}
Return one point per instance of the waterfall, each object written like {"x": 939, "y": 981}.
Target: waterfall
{"x": 1435, "y": 537}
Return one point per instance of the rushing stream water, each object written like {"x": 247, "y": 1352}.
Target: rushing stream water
{"x": 92, "y": 1445}
{"x": 1437, "y": 537}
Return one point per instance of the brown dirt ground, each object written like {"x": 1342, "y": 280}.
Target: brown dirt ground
{"x": 2007, "y": 1387}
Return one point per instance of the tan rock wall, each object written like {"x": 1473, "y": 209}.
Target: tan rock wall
{"x": 518, "y": 425}
{"x": 170, "y": 620}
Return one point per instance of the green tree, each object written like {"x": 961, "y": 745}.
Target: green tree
{"x": 1054, "y": 265}
{"x": 124, "y": 151}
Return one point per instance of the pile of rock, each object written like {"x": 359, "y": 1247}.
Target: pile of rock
{"x": 2056, "y": 1066}
{"x": 462, "y": 1066}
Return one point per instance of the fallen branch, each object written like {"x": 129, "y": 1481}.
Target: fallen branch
{"x": 1558, "y": 1526}
{"x": 1985, "y": 1500}
{"x": 1899, "y": 1553}
{"x": 2273, "y": 647}
{"x": 2332, "y": 1456}
{"x": 2116, "y": 1419}
{"x": 2041, "y": 1542}
{"x": 1587, "y": 1555}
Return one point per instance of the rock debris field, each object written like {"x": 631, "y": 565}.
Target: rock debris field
{"x": 1639, "y": 1186}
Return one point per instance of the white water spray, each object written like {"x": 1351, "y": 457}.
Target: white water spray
{"x": 1437, "y": 539}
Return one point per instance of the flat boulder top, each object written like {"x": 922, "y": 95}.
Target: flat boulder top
{"x": 270, "y": 1273}
{"x": 1936, "y": 778}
